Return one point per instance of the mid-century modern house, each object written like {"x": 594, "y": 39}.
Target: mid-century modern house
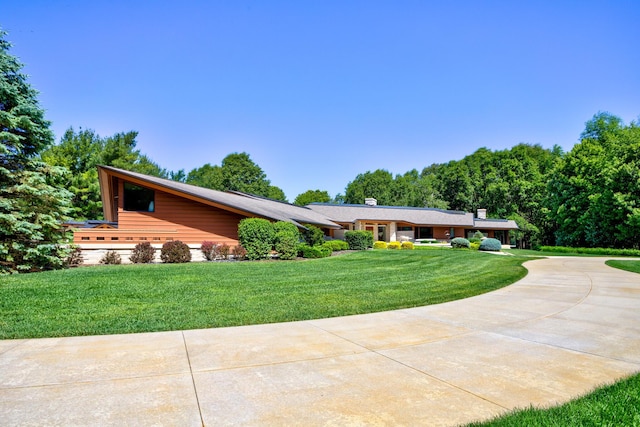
{"x": 140, "y": 208}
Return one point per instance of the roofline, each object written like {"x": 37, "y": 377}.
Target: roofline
{"x": 105, "y": 171}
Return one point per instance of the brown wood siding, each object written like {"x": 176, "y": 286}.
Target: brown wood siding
{"x": 174, "y": 218}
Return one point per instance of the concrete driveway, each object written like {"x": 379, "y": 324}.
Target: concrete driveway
{"x": 572, "y": 324}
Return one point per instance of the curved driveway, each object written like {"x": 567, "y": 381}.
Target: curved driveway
{"x": 569, "y": 326}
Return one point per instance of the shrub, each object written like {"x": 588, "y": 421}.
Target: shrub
{"x": 493, "y": 245}
{"x": 307, "y": 251}
{"x": 286, "y": 244}
{"x": 286, "y": 226}
{"x": 359, "y": 240}
{"x": 256, "y": 236}
{"x": 460, "y": 242}
{"x": 428, "y": 241}
{"x": 143, "y": 253}
{"x": 74, "y": 259}
{"x": 239, "y": 252}
{"x": 478, "y": 235}
{"x": 379, "y": 245}
{"x": 337, "y": 245}
{"x": 394, "y": 245}
{"x": 224, "y": 250}
{"x": 209, "y": 250}
{"x": 313, "y": 236}
{"x": 407, "y": 245}
{"x": 111, "y": 257}
{"x": 474, "y": 246}
{"x": 175, "y": 251}
{"x": 591, "y": 251}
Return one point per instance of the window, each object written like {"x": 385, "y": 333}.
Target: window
{"x": 138, "y": 198}
{"x": 405, "y": 228}
{"x": 425, "y": 232}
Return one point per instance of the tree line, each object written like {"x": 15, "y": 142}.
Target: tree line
{"x": 587, "y": 197}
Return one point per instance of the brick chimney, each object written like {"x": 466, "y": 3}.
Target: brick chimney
{"x": 369, "y": 201}
{"x": 482, "y": 214}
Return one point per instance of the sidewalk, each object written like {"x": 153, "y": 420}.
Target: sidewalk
{"x": 570, "y": 325}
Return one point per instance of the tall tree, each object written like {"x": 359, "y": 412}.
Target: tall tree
{"x": 312, "y": 196}
{"x": 80, "y": 152}
{"x": 594, "y": 195}
{"x": 376, "y": 184}
{"x": 32, "y": 201}
{"x": 236, "y": 173}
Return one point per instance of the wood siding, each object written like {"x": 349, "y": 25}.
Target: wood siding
{"x": 174, "y": 218}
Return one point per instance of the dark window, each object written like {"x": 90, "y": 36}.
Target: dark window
{"x": 405, "y": 228}
{"x": 425, "y": 232}
{"x": 138, "y": 198}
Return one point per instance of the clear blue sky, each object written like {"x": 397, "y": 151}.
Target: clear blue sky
{"x": 320, "y": 91}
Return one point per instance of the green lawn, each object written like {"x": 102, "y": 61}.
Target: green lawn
{"x": 613, "y": 405}
{"x": 628, "y": 265}
{"x": 141, "y": 298}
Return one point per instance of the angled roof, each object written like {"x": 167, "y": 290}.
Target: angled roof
{"x": 245, "y": 204}
{"x": 422, "y": 216}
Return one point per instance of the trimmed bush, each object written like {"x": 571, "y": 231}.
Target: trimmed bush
{"x": 175, "y": 252}
{"x": 359, "y": 240}
{"x": 492, "y": 245}
{"x": 209, "y": 250}
{"x": 239, "y": 252}
{"x": 286, "y": 244}
{"x": 307, "y": 251}
{"x": 313, "y": 236}
{"x": 460, "y": 243}
{"x": 379, "y": 245}
{"x": 336, "y": 245}
{"x": 143, "y": 253}
{"x": 111, "y": 257}
{"x": 256, "y": 236}
{"x": 474, "y": 246}
{"x": 428, "y": 241}
{"x": 407, "y": 245}
{"x": 591, "y": 251}
{"x": 394, "y": 245}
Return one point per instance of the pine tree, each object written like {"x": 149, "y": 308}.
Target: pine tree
{"x": 33, "y": 203}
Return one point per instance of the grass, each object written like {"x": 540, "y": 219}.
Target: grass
{"x": 628, "y": 265}
{"x": 142, "y": 298}
{"x": 614, "y": 405}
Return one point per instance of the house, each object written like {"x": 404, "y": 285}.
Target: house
{"x": 143, "y": 208}
{"x": 139, "y": 208}
{"x": 398, "y": 223}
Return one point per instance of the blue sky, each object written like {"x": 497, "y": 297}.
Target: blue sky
{"x": 320, "y": 91}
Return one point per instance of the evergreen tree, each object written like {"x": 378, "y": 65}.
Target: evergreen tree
{"x": 33, "y": 203}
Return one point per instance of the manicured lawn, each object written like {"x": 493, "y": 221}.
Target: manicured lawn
{"x": 628, "y": 265}
{"x": 614, "y": 405}
{"x": 141, "y": 298}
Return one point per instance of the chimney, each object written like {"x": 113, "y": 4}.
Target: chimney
{"x": 482, "y": 214}
{"x": 369, "y": 201}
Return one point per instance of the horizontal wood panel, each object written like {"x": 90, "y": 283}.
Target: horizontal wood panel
{"x": 175, "y": 218}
